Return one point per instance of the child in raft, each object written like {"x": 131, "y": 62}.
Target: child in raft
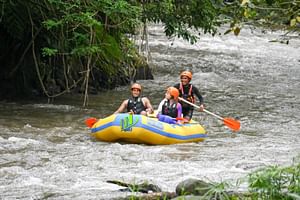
{"x": 169, "y": 109}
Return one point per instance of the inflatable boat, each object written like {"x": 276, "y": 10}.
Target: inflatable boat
{"x": 141, "y": 129}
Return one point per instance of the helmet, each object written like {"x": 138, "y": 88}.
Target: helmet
{"x": 136, "y": 86}
{"x": 186, "y": 73}
{"x": 173, "y": 92}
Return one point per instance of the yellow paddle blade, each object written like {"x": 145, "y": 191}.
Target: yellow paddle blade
{"x": 232, "y": 123}
{"x": 90, "y": 122}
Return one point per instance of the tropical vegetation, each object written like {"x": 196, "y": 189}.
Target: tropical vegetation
{"x": 268, "y": 183}
{"x": 52, "y": 47}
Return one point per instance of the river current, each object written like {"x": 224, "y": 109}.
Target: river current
{"x": 46, "y": 151}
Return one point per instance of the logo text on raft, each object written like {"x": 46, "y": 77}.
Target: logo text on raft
{"x": 127, "y": 123}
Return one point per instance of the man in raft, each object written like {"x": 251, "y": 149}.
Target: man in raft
{"x": 136, "y": 104}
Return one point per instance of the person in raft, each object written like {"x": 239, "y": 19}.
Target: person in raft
{"x": 136, "y": 104}
{"x": 169, "y": 109}
{"x": 187, "y": 91}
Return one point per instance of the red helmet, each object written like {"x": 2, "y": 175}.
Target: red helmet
{"x": 173, "y": 92}
{"x": 136, "y": 86}
{"x": 186, "y": 73}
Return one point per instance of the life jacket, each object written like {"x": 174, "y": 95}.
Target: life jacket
{"x": 136, "y": 105}
{"x": 189, "y": 96}
{"x": 170, "y": 110}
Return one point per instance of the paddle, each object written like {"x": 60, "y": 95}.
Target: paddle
{"x": 90, "y": 122}
{"x": 229, "y": 122}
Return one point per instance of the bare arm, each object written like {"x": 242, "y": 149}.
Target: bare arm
{"x": 122, "y": 107}
{"x": 148, "y": 105}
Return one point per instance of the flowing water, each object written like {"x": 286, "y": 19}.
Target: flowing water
{"x": 47, "y": 153}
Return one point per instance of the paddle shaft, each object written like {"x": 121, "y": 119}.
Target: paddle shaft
{"x": 229, "y": 122}
{"x": 208, "y": 112}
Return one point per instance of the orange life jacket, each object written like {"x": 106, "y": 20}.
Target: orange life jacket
{"x": 190, "y": 96}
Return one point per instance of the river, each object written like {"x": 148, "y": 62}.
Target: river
{"x": 47, "y": 153}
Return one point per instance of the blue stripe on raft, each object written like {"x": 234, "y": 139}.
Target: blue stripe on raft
{"x": 154, "y": 130}
{"x": 93, "y": 130}
{"x": 175, "y": 136}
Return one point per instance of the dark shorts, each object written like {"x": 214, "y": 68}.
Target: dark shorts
{"x": 187, "y": 112}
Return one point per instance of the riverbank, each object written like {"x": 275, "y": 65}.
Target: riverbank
{"x": 46, "y": 150}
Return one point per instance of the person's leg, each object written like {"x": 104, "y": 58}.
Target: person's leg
{"x": 185, "y": 111}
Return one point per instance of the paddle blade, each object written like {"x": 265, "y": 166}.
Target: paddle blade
{"x": 232, "y": 123}
{"x": 184, "y": 120}
{"x": 90, "y": 122}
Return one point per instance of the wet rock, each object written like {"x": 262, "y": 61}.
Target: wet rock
{"x": 192, "y": 186}
{"x": 143, "y": 188}
{"x": 151, "y": 196}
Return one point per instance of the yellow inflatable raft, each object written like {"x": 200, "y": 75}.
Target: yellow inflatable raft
{"x": 145, "y": 130}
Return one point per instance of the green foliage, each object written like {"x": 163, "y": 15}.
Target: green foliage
{"x": 81, "y": 37}
{"x": 218, "y": 191}
{"x": 86, "y": 50}
{"x": 276, "y": 182}
{"x": 267, "y": 13}
{"x": 74, "y": 38}
{"x": 49, "y": 52}
{"x": 179, "y": 17}
{"x": 51, "y": 23}
{"x": 270, "y": 183}
{"x": 93, "y": 28}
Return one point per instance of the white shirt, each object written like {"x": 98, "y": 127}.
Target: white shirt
{"x": 159, "y": 109}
